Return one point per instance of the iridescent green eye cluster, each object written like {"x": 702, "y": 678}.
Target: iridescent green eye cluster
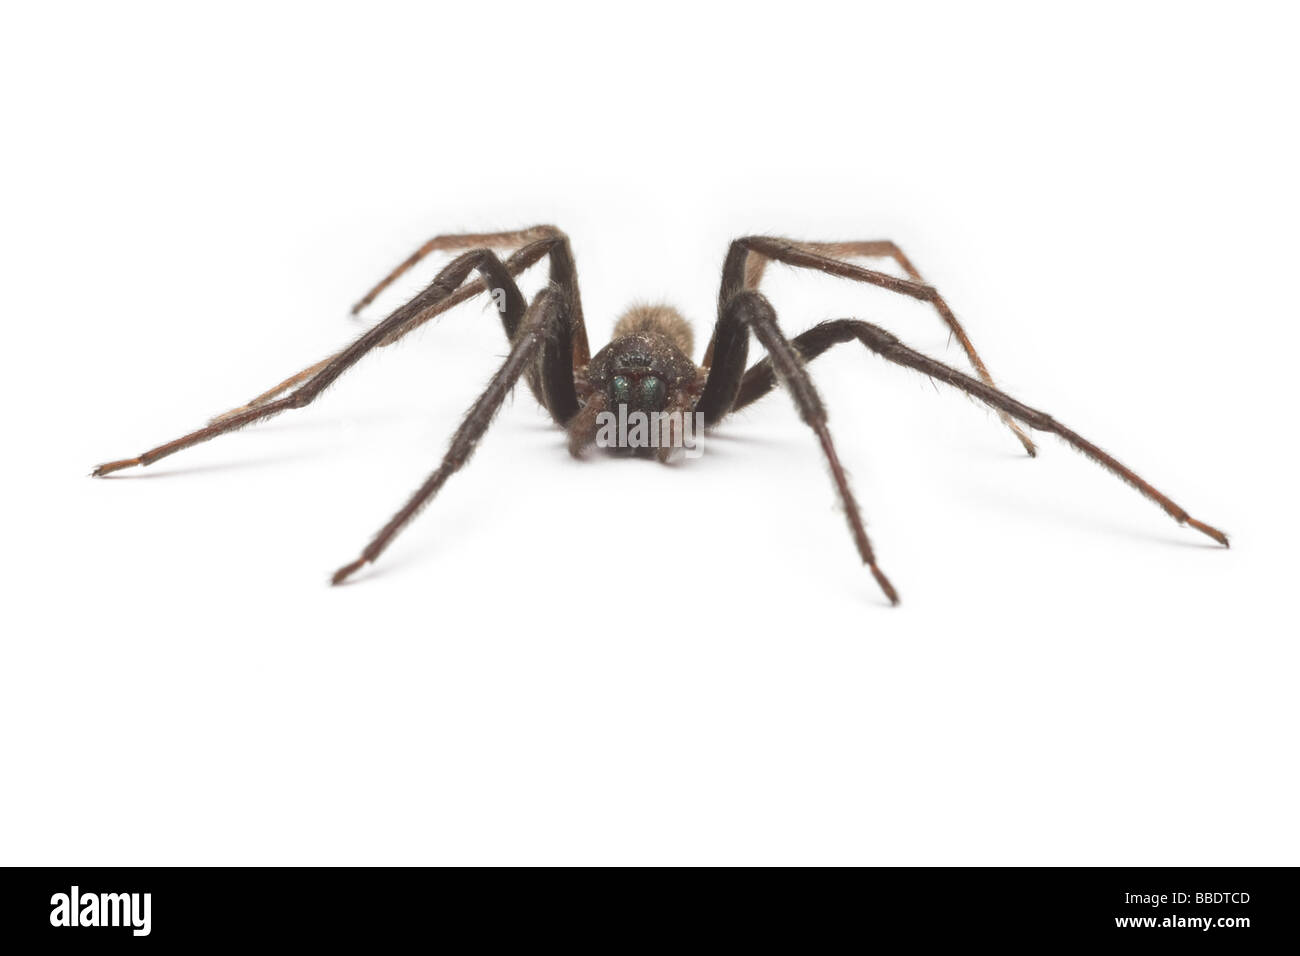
{"x": 622, "y": 390}
{"x": 649, "y": 393}
{"x": 653, "y": 392}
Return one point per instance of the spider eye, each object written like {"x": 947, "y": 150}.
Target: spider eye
{"x": 621, "y": 390}
{"x": 653, "y": 392}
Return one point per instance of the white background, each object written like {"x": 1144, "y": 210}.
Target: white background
{"x": 614, "y": 661}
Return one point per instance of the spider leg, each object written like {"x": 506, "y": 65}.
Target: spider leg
{"x": 582, "y": 428}
{"x": 748, "y": 256}
{"x": 546, "y": 317}
{"x": 443, "y": 286}
{"x": 460, "y": 240}
{"x": 756, "y": 264}
{"x": 749, "y": 310}
{"x": 449, "y": 242}
{"x": 522, "y": 259}
{"x": 762, "y": 378}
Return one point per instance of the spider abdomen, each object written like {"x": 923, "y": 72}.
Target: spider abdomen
{"x": 661, "y": 319}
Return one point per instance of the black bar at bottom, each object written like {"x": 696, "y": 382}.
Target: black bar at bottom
{"x": 369, "y": 908}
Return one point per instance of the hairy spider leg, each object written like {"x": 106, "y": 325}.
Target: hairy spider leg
{"x": 450, "y": 242}
{"x": 453, "y": 241}
{"x": 747, "y": 311}
{"x": 748, "y": 257}
{"x": 544, "y": 322}
{"x": 563, "y": 272}
{"x": 410, "y": 315}
{"x": 756, "y": 264}
{"x": 763, "y": 377}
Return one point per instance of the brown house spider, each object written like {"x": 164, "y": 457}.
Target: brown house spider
{"x": 647, "y": 365}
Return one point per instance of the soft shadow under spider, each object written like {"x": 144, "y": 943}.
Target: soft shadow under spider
{"x": 340, "y": 424}
{"x": 738, "y": 440}
{"x": 217, "y": 467}
{"x": 647, "y": 367}
{"x": 1058, "y": 511}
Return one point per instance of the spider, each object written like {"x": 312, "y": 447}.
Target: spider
{"x": 647, "y": 367}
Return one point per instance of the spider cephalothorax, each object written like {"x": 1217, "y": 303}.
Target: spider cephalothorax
{"x": 647, "y": 367}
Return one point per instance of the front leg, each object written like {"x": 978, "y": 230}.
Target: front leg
{"x": 762, "y": 378}
{"x": 749, "y": 310}
{"x": 548, "y": 312}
